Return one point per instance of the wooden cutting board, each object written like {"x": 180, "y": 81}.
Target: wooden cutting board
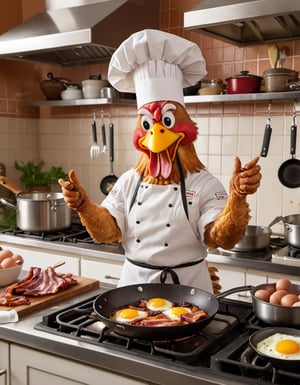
{"x": 37, "y": 303}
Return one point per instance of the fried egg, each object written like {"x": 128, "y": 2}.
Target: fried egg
{"x": 158, "y": 304}
{"x": 282, "y": 346}
{"x": 175, "y": 312}
{"x": 128, "y": 315}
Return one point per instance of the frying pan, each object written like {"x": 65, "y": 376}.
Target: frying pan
{"x": 289, "y": 171}
{"x": 107, "y": 183}
{"x": 261, "y": 334}
{"x": 107, "y": 303}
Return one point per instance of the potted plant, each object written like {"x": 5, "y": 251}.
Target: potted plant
{"x": 34, "y": 178}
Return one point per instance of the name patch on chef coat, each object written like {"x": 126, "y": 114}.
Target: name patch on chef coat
{"x": 190, "y": 194}
{"x": 221, "y": 195}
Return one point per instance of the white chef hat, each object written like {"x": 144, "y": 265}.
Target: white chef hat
{"x": 156, "y": 66}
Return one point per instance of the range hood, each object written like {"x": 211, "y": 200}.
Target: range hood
{"x": 73, "y": 32}
{"x": 246, "y": 22}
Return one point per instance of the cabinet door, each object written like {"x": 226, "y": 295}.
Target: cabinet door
{"x": 4, "y": 363}
{"x": 108, "y": 272}
{"x": 30, "y": 367}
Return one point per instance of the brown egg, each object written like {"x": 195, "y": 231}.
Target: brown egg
{"x": 284, "y": 284}
{"x": 270, "y": 288}
{"x": 296, "y": 304}
{"x": 18, "y": 259}
{"x": 5, "y": 254}
{"x": 275, "y": 298}
{"x": 289, "y": 299}
{"x": 7, "y": 263}
{"x": 263, "y": 295}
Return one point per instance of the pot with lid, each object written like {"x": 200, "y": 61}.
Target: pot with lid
{"x": 243, "y": 83}
{"x": 277, "y": 79}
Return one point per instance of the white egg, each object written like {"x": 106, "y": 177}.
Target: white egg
{"x": 128, "y": 315}
{"x": 280, "y": 346}
{"x": 175, "y": 312}
{"x": 159, "y": 304}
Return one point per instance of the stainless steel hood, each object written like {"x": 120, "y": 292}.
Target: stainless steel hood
{"x": 73, "y": 32}
{"x": 246, "y": 22}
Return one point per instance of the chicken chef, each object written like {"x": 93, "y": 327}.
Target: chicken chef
{"x": 168, "y": 210}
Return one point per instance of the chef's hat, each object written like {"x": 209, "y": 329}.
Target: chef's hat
{"x": 156, "y": 66}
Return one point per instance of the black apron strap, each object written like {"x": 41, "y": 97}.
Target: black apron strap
{"x": 136, "y": 191}
{"x": 182, "y": 186}
{"x": 165, "y": 270}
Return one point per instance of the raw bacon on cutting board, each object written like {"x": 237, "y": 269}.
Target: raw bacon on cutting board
{"x": 38, "y": 282}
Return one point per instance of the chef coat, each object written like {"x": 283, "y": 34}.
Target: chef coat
{"x": 157, "y": 232}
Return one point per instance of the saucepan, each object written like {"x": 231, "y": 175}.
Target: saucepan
{"x": 256, "y": 237}
{"x": 38, "y": 211}
{"x": 291, "y": 230}
{"x": 107, "y": 303}
{"x": 271, "y": 314}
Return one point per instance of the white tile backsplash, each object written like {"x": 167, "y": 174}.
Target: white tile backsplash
{"x": 66, "y": 142}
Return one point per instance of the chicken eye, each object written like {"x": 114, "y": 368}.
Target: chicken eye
{"x": 146, "y": 122}
{"x": 168, "y": 119}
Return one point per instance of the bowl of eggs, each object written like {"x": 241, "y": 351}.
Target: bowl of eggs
{"x": 277, "y": 303}
{"x": 10, "y": 267}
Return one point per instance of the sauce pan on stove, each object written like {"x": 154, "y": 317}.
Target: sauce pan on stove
{"x": 107, "y": 303}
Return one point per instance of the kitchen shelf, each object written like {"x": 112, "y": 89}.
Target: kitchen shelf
{"x": 82, "y": 102}
{"x": 226, "y": 98}
{"x": 254, "y": 97}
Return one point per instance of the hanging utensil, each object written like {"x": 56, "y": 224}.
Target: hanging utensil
{"x": 95, "y": 149}
{"x": 273, "y": 52}
{"x": 267, "y": 135}
{"x": 289, "y": 171}
{"x": 103, "y": 133}
{"x": 108, "y": 181}
{"x": 283, "y": 53}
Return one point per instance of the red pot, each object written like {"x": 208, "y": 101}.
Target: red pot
{"x": 244, "y": 83}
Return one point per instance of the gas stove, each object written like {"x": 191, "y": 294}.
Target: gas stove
{"x": 220, "y": 347}
{"x": 288, "y": 255}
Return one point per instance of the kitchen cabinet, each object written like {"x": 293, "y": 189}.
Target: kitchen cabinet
{"x": 32, "y": 367}
{"x": 4, "y": 363}
{"x": 108, "y": 272}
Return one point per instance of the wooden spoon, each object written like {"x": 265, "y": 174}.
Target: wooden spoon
{"x": 273, "y": 52}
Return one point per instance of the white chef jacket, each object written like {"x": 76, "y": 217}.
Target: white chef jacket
{"x": 156, "y": 231}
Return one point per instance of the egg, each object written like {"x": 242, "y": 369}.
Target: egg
{"x": 282, "y": 346}
{"x": 128, "y": 315}
{"x": 296, "y": 303}
{"x": 158, "y": 304}
{"x": 5, "y": 254}
{"x": 289, "y": 299}
{"x": 284, "y": 284}
{"x": 175, "y": 312}
{"x": 275, "y": 298}
{"x": 263, "y": 295}
{"x": 7, "y": 263}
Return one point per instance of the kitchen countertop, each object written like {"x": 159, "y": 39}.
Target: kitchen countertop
{"x": 150, "y": 369}
{"x": 114, "y": 252}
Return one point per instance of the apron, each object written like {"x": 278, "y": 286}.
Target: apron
{"x": 165, "y": 249}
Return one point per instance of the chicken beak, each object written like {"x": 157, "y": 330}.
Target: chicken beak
{"x": 159, "y": 138}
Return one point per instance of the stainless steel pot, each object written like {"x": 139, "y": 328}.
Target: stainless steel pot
{"x": 41, "y": 211}
{"x": 255, "y": 238}
{"x": 275, "y": 315}
{"x": 38, "y": 211}
{"x": 292, "y": 229}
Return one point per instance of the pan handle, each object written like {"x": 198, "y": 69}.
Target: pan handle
{"x": 266, "y": 140}
{"x": 293, "y": 139}
{"x": 234, "y": 290}
{"x": 9, "y": 185}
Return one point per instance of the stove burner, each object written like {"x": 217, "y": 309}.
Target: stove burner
{"x": 294, "y": 252}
